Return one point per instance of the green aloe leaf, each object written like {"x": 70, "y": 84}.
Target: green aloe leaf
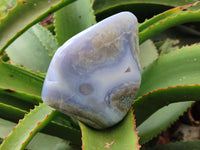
{"x": 20, "y": 79}
{"x": 28, "y": 127}
{"x": 24, "y": 15}
{"x": 67, "y": 132}
{"x": 23, "y": 94}
{"x": 159, "y": 121}
{"x": 148, "y": 53}
{"x": 46, "y": 38}
{"x": 104, "y": 8}
{"x": 72, "y": 19}
{"x": 158, "y": 23}
{"x": 43, "y": 141}
{"x": 63, "y": 128}
{"x": 175, "y": 75}
{"x": 40, "y": 141}
{"x": 164, "y": 15}
{"x": 168, "y": 46}
{"x": 102, "y": 5}
{"x": 11, "y": 113}
{"x": 18, "y": 99}
{"x": 5, "y": 127}
{"x": 121, "y": 136}
{"x": 33, "y": 49}
{"x": 4, "y": 5}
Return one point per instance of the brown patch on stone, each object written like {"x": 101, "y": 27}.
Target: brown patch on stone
{"x": 123, "y": 95}
{"x": 86, "y": 89}
{"x": 128, "y": 69}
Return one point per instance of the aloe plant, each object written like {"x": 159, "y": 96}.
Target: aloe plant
{"x": 170, "y": 61}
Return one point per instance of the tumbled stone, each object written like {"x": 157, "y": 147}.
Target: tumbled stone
{"x": 95, "y": 75}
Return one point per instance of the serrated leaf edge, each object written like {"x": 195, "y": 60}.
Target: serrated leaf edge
{"x": 36, "y": 128}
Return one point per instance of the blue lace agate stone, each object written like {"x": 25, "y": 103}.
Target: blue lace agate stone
{"x": 95, "y": 75}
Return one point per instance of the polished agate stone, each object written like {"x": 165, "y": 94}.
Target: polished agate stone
{"x": 95, "y": 75}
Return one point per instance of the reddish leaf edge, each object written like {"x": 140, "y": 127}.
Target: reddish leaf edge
{"x": 134, "y": 128}
{"x": 163, "y": 15}
{"x": 40, "y": 125}
{"x": 148, "y": 103}
{"x": 51, "y": 10}
{"x": 138, "y": 146}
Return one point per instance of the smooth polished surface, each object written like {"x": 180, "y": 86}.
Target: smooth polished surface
{"x": 95, "y": 75}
